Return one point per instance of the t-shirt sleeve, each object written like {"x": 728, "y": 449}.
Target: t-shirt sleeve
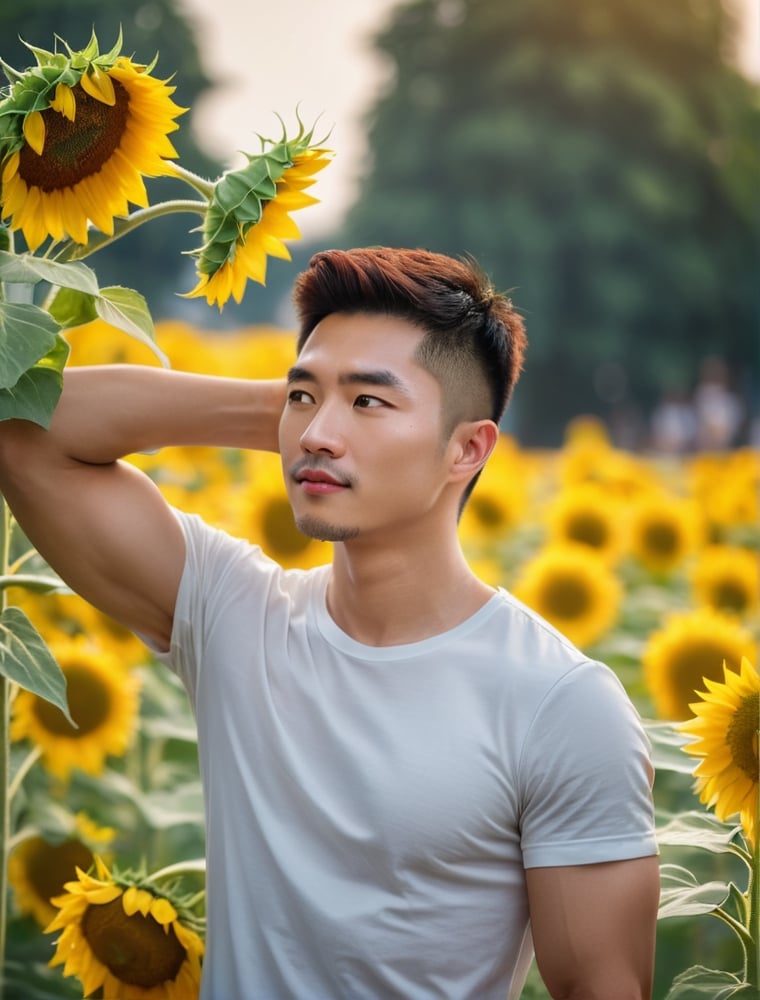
{"x": 586, "y": 775}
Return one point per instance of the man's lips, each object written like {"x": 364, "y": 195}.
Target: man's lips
{"x": 317, "y": 481}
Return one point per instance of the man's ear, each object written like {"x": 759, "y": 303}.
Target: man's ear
{"x": 472, "y": 441}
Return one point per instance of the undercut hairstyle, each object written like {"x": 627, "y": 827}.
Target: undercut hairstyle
{"x": 473, "y": 339}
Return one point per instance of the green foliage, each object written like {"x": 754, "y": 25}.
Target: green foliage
{"x": 600, "y": 159}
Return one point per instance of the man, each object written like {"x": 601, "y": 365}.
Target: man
{"x": 411, "y": 780}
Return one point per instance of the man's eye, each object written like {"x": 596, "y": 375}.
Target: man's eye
{"x": 365, "y": 402}
{"x": 300, "y": 396}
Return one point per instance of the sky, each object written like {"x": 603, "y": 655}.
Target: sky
{"x": 270, "y": 58}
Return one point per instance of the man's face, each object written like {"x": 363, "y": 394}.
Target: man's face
{"x": 360, "y": 437}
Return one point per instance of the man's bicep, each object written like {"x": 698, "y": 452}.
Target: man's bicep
{"x": 111, "y": 536}
{"x": 594, "y": 927}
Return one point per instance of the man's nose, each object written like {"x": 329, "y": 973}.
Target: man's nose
{"x": 324, "y": 432}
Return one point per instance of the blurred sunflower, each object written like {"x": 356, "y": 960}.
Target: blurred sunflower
{"x": 590, "y": 458}
{"x": 663, "y": 530}
{"x": 572, "y": 588}
{"x": 77, "y": 135}
{"x": 248, "y": 217}
{"x": 262, "y": 513}
{"x": 103, "y": 701}
{"x": 588, "y": 515}
{"x": 727, "y": 578}
{"x": 39, "y": 867}
{"x": 728, "y": 487}
{"x": 499, "y": 498}
{"x": 122, "y": 938}
{"x": 690, "y": 649}
{"x": 725, "y": 726}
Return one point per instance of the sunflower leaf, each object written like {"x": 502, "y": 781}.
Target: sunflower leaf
{"x": 667, "y": 747}
{"x": 26, "y": 660}
{"x": 35, "y": 395}
{"x": 697, "y": 828}
{"x": 71, "y": 307}
{"x": 681, "y": 894}
{"x": 127, "y": 310}
{"x": 27, "y": 334}
{"x": 699, "y": 983}
{"x": 27, "y": 269}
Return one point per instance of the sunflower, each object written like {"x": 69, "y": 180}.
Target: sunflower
{"x": 727, "y": 578}
{"x": 498, "y": 500}
{"x": 728, "y": 487}
{"x": 262, "y": 513}
{"x": 663, "y": 531}
{"x": 103, "y": 701}
{"x": 725, "y": 725}
{"x": 122, "y": 937}
{"x": 248, "y": 217}
{"x": 589, "y": 515}
{"x": 77, "y": 136}
{"x": 38, "y": 867}
{"x": 689, "y": 650}
{"x": 573, "y": 589}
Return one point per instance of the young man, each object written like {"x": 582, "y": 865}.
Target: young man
{"x": 411, "y": 780}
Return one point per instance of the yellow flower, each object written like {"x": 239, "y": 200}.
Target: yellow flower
{"x": 248, "y": 217}
{"x": 103, "y": 701}
{"x": 80, "y": 134}
{"x": 573, "y": 589}
{"x": 663, "y": 531}
{"x": 498, "y": 500}
{"x": 262, "y": 514}
{"x": 688, "y": 650}
{"x": 121, "y": 937}
{"x": 725, "y": 725}
{"x": 728, "y": 487}
{"x": 589, "y": 515}
{"x": 38, "y": 867}
{"x": 727, "y": 578}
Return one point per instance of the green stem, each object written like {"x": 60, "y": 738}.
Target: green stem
{"x": 753, "y": 895}
{"x": 5, "y": 801}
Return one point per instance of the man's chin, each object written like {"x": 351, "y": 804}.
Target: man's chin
{"x": 324, "y": 531}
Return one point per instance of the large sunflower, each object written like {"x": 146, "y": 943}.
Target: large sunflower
{"x": 39, "y": 867}
{"x": 573, "y": 589}
{"x": 123, "y": 938}
{"x": 77, "y": 135}
{"x": 727, "y": 578}
{"x": 725, "y": 725}
{"x": 690, "y": 649}
{"x": 103, "y": 701}
{"x": 663, "y": 531}
{"x": 248, "y": 217}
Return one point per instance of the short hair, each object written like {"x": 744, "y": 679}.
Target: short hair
{"x": 474, "y": 340}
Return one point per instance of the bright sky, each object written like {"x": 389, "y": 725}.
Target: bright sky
{"x": 268, "y": 58}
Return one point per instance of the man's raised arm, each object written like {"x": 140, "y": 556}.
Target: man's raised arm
{"x": 101, "y": 523}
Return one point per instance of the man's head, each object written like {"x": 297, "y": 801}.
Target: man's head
{"x": 474, "y": 340}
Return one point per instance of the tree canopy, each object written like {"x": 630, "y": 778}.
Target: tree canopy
{"x": 599, "y": 159}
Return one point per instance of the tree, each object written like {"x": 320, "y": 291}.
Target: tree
{"x": 598, "y": 158}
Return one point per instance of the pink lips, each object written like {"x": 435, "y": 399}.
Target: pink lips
{"x": 317, "y": 483}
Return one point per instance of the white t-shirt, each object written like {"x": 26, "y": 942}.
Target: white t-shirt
{"x": 370, "y": 810}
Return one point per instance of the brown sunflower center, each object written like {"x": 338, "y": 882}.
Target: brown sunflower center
{"x": 691, "y": 664}
{"x": 136, "y": 950}
{"x": 487, "y": 512}
{"x": 48, "y": 866}
{"x": 565, "y": 596}
{"x": 279, "y": 529}
{"x": 78, "y": 149}
{"x": 729, "y": 595}
{"x": 89, "y": 704}
{"x": 661, "y": 538}
{"x": 588, "y": 529}
{"x": 742, "y": 735}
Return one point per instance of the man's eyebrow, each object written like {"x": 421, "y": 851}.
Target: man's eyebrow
{"x": 378, "y": 377}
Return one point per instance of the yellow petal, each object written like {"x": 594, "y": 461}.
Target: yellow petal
{"x": 34, "y": 131}
{"x": 99, "y": 85}
{"x": 64, "y": 101}
{"x": 163, "y": 911}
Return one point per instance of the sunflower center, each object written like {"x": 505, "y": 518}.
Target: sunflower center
{"x": 730, "y": 595}
{"x": 742, "y": 736}
{"x": 89, "y": 704}
{"x": 589, "y": 530}
{"x": 136, "y": 950}
{"x": 279, "y": 529}
{"x": 565, "y": 597}
{"x": 78, "y": 149}
{"x": 661, "y": 538}
{"x": 488, "y": 513}
{"x": 48, "y": 866}
{"x": 692, "y": 664}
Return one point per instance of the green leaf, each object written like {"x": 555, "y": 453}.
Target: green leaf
{"x": 697, "y": 828}
{"x": 682, "y": 894}
{"x": 27, "y": 333}
{"x": 35, "y": 396}
{"x": 699, "y": 983}
{"x": 28, "y": 269}
{"x": 34, "y": 583}
{"x": 26, "y": 660}
{"x": 127, "y": 309}
{"x": 667, "y": 747}
{"x": 71, "y": 307}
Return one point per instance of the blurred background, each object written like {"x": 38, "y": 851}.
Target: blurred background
{"x": 599, "y": 157}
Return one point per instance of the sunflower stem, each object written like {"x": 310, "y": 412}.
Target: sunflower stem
{"x": 5, "y": 802}
{"x": 752, "y": 964}
{"x": 196, "y": 182}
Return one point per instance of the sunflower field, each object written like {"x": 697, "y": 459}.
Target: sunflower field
{"x": 650, "y": 565}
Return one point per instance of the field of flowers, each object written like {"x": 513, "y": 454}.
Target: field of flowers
{"x": 649, "y": 564}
